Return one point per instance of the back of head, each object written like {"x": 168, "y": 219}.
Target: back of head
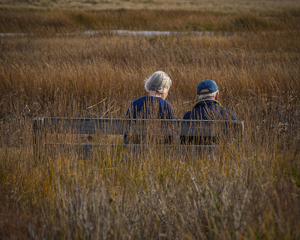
{"x": 159, "y": 81}
{"x": 207, "y": 89}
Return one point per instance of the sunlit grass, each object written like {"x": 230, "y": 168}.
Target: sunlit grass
{"x": 249, "y": 191}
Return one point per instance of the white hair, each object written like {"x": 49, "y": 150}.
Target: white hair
{"x": 209, "y": 95}
{"x": 159, "y": 81}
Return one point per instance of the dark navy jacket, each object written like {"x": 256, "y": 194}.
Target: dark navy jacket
{"x": 209, "y": 109}
{"x": 148, "y": 106}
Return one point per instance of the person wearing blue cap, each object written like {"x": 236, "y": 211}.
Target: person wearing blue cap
{"x": 208, "y": 107}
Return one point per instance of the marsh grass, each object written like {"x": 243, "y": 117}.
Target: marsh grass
{"x": 49, "y": 22}
{"x": 246, "y": 192}
{"x": 96, "y": 5}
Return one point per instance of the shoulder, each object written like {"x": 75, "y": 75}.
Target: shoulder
{"x": 164, "y": 103}
{"x": 138, "y": 100}
{"x": 168, "y": 104}
{"x": 230, "y": 115}
{"x": 187, "y": 115}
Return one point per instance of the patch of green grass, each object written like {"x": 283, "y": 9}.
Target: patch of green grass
{"x": 249, "y": 23}
{"x": 198, "y": 26}
{"x": 84, "y": 19}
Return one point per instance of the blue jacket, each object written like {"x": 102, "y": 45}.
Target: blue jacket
{"x": 148, "y": 106}
{"x": 209, "y": 109}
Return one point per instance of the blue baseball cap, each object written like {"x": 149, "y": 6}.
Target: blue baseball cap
{"x": 210, "y": 85}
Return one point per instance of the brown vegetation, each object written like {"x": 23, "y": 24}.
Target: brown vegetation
{"x": 49, "y": 22}
{"x": 249, "y": 192}
{"x": 203, "y": 5}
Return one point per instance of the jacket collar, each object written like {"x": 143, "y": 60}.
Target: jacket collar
{"x": 205, "y": 102}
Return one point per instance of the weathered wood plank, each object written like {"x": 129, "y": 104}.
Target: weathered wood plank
{"x": 174, "y": 128}
{"x": 144, "y": 127}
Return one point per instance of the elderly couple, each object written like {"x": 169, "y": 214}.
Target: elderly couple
{"x": 154, "y": 105}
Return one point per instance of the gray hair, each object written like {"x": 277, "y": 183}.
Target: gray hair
{"x": 209, "y": 95}
{"x": 159, "y": 81}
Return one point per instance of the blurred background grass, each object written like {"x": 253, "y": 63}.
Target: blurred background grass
{"x": 47, "y": 22}
{"x": 214, "y": 5}
{"x": 250, "y": 192}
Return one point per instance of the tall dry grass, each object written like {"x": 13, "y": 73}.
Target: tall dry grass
{"x": 48, "y": 22}
{"x": 249, "y": 192}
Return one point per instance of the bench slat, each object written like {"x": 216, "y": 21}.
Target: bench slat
{"x": 144, "y": 127}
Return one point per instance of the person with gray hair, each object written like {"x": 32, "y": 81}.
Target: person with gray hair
{"x": 154, "y": 104}
{"x": 208, "y": 107}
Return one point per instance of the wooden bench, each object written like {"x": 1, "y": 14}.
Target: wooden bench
{"x": 90, "y": 134}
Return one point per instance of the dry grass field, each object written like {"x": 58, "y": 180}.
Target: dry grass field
{"x": 240, "y": 192}
{"x": 204, "y": 5}
{"x": 47, "y": 17}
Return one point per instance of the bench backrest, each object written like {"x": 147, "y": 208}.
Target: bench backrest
{"x": 126, "y": 126}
